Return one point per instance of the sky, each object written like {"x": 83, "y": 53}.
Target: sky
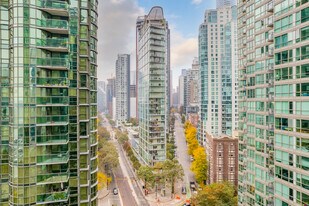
{"x": 116, "y": 32}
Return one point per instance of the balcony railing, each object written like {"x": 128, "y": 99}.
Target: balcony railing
{"x": 52, "y": 178}
{"x": 52, "y": 119}
{"x": 53, "y": 197}
{"x": 53, "y": 158}
{"x": 52, "y": 139}
{"x": 52, "y": 100}
{"x": 53, "y": 23}
{"x": 53, "y": 62}
{"x": 61, "y": 5}
{"x": 60, "y": 43}
{"x": 52, "y": 81}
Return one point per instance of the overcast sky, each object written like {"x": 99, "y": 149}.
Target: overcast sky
{"x": 117, "y": 31}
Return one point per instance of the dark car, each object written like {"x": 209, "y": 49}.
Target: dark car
{"x": 115, "y": 191}
{"x": 184, "y": 190}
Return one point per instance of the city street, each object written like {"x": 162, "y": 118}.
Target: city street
{"x": 129, "y": 192}
{"x": 182, "y": 154}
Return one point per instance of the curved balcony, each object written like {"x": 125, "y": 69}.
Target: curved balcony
{"x": 52, "y": 82}
{"x": 55, "y": 8}
{"x": 52, "y": 178}
{"x": 53, "y": 197}
{"x": 52, "y": 139}
{"x": 52, "y": 120}
{"x": 53, "y": 63}
{"x": 55, "y": 26}
{"x": 53, "y": 45}
{"x": 52, "y": 100}
{"x": 57, "y": 158}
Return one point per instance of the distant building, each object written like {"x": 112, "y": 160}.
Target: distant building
{"x": 192, "y": 88}
{"x": 122, "y": 88}
{"x": 182, "y": 93}
{"x": 101, "y": 96}
{"x": 133, "y": 91}
{"x": 132, "y": 107}
{"x": 193, "y": 118}
{"x": 110, "y": 94}
{"x": 222, "y": 155}
{"x": 114, "y": 102}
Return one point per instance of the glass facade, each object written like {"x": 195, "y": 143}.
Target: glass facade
{"x": 273, "y": 149}
{"x": 153, "y": 89}
{"x": 218, "y": 73}
{"x": 48, "y": 102}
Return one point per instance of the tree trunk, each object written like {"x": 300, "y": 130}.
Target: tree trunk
{"x": 173, "y": 188}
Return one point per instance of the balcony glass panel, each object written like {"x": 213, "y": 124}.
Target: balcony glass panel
{"x": 53, "y": 158}
{"x": 53, "y": 4}
{"x": 52, "y": 119}
{"x": 52, "y": 100}
{"x": 52, "y": 178}
{"x": 53, "y": 23}
{"x": 52, "y": 81}
{"x": 50, "y": 42}
{"x": 53, "y": 197}
{"x": 45, "y": 139}
{"x": 53, "y": 62}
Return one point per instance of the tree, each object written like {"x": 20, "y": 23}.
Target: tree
{"x": 183, "y": 119}
{"x": 170, "y": 150}
{"x": 108, "y": 156}
{"x": 103, "y": 180}
{"x": 199, "y": 165}
{"x": 216, "y": 194}
{"x": 103, "y": 132}
{"x": 146, "y": 174}
{"x": 190, "y": 133}
{"x": 172, "y": 171}
{"x": 121, "y": 137}
{"x": 133, "y": 121}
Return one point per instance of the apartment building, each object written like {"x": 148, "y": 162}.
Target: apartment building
{"x": 122, "y": 88}
{"x": 273, "y": 102}
{"x": 48, "y": 130}
{"x": 153, "y": 85}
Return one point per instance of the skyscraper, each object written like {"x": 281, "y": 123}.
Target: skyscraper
{"x": 122, "y": 88}
{"x": 218, "y": 72}
{"x": 182, "y": 81}
{"x": 153, "y": 85}
{"x": 48, "y": 140}
{"x": 273, "y": 102}
{"x": 192, "y": 88}
{"x": 110, "y": 94}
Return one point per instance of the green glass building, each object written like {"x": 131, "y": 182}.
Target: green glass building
{"x": 274, "y": 102}
{"x": 48, "y": 105}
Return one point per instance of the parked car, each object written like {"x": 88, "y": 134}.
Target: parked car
{"x": 191, "y": 158}
{"x": 184, "y": 190}
{"x": 192, "y": 186}
{"x": 115, "y": 191}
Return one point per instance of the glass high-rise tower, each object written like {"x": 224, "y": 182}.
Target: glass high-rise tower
{"x": 218, "y": 72}
{"x": 48, "y": 143}
{"x": 274, "y": 115}
{"x": 153, "y": 85}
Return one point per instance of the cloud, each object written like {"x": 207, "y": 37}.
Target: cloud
{"x": 116, "y": 33}
{"x": 183, "y": 50}
{"x": 196, "y": 2}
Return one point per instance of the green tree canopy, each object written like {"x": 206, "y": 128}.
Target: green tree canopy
{"x": 216, "y": 194}
{"x": 145, "y": 173}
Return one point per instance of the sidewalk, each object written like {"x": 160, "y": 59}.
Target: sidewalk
{"x": 167, "y": 200}
{"x": 103, "y": 193}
